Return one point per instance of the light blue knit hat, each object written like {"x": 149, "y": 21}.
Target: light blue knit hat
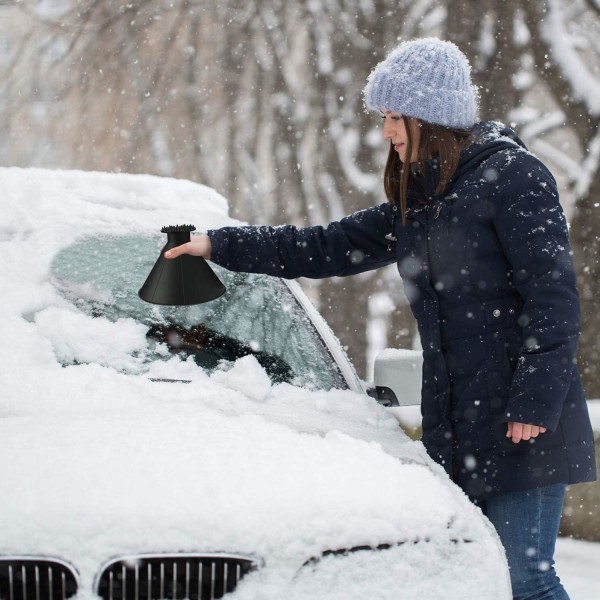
{"x": 429, "y": 79}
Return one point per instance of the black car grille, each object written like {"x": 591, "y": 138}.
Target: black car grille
{"x": 173, "y": 577}
{"x": 25, "y": 578}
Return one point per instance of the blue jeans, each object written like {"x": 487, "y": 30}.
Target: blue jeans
{"x": 527, "y": 523}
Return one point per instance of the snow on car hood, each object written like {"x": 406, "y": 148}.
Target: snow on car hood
{"x": 98, "y": 464}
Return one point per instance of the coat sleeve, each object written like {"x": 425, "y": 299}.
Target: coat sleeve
{"x": 532, "y": 229}
{"x": 352, "y": 245}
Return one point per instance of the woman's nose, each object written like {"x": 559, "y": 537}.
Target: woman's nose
{"x": 387, "y": 129}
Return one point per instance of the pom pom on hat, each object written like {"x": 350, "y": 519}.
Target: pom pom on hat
{"x": 429, "y": 79}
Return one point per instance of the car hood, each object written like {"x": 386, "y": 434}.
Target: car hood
{"x": 99, "y": 463}
{"x": 87, "y": 434}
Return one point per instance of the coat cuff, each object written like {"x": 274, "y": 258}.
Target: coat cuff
{"x": 216, "y": 243}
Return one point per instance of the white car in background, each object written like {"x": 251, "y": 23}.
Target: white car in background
{"x": 221, "y": 450}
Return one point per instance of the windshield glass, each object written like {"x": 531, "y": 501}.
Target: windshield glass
{"x": 257, "y": 315}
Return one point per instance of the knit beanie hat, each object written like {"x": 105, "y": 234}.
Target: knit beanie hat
{"x": 429, "y": 79}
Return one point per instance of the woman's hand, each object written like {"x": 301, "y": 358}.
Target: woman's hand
{"x": 523, "y": 431}
{"x": 199, "y": 245}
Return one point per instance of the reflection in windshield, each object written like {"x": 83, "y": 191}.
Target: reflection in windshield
{"x": 257, "y": 314}
{"x": 208, "y": 348}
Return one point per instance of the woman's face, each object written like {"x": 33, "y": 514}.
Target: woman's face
{"x": 395, "y": 131}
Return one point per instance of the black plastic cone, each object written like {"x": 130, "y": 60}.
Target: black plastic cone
{"x": 183, "y": 280}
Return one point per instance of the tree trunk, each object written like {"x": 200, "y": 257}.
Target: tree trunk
{"x": 586, "y": 217}
{"x": 585, "y": 240}
{"x": 484, "y": 31}
{"x": 344, "y": 303}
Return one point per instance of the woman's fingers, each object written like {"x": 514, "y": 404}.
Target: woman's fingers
{"x": 198, "y": 246}
{"x": 178, "y": 251}
{"x": 523, "y": 431}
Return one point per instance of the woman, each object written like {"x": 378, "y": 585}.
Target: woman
{"x": 474, "y": 223}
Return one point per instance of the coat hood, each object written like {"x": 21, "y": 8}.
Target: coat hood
{"x": 490, "y": 137}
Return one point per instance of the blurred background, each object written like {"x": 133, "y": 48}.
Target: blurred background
{"x": 261, "y": 100}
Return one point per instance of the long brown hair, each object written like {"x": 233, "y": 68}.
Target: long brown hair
{"x": 434, "y": 141}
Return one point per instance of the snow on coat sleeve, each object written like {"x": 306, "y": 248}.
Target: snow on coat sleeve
{"x": 352, "y": 245}
{"x": 533, "y": 232}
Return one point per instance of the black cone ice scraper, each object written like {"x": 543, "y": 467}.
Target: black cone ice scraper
{"x": 183, "y": 280}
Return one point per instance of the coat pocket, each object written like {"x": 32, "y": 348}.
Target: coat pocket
{"x": 470, "y": 397}
{"x": 484, "y": 396}
{"x": 500, "y": 377}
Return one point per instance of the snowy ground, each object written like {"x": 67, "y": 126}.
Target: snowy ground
{"x": 577, "y": 562}
{"x": 577, "y": 565}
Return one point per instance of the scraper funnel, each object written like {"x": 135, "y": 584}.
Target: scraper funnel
{"x": 183, "y": 280}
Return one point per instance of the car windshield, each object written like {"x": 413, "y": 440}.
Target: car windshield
{"x": 257, "y": 315}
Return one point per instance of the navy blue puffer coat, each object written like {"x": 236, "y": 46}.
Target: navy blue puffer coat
{"x": 488, "y": 271}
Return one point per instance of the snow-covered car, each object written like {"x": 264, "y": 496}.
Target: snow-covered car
{"x": 223, "y": 449}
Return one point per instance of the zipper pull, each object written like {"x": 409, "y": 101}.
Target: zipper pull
{"x": 438, "y": 210}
